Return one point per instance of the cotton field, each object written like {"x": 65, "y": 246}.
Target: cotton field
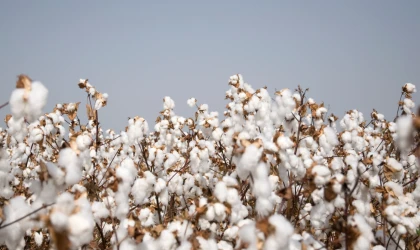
{"x": 274, "y": 171}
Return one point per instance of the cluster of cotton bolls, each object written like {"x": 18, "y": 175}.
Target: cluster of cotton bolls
{"x": 275, "y": 173}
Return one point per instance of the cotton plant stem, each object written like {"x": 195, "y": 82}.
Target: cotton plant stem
{"x": 4, "y": 105}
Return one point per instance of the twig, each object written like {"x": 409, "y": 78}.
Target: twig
{"x": 177, "y": 171}
{"x": 4, "y": 105}
{"x": 398, "y": 108}
{"x": 158, "y": 208}
{"x": 107, "y": 168}
{"x": 102, "y": 236}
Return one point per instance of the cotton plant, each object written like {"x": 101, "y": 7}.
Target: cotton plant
{"x": 275, "y": 172}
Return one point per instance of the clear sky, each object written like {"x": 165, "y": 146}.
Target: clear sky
{"x": 352, "y": 55}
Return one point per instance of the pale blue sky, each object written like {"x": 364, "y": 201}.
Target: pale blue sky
{"x": 354, "y": 54}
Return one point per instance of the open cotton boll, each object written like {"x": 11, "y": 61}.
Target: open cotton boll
{"x": 72, "y": 164}
{"x": 80, "y": 227}
{"x": 191, "y": 102}
{"x": 99, "y": 211}
{"x": 322, "y": 174}
{"x": 408, "y": 105}
{"x": 261, "y": 186}
{"x": 36, "y": 135}
{"x": 136, "y": 130}
{"x": 12, "y": 235}
{"x": 167, "y": 240}
{"x": 168, "y": 103}
{"x": 30, "y": 107}
{"x": 5, "y": 189}
{"x": 220, "y": 191}
{"x": 39, "y": 238}
{"x": 284, "y": 230}
{"x": 140, "y": 191}
{"x": 409, "y": 88}
{"x": 263, "y": 206}
{"x": 320, "y": 112}
{"x": 366, "y": 236}
{"x": 127, "y": 172}
{"x": 17, "y": 103}
{"x": 217, "y": 134}
{"x": 56, "y": 173}
{"x": 83, "y": 142}
{"x": 248, "y": 235}
{"x": 284, "y": 142}
{"x": 248, "y": 161}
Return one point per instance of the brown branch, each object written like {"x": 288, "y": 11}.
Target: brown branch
{"x": 103, "y": 245}
{"x": 158, "y": 208}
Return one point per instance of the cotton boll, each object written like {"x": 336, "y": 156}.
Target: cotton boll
{"x": 36, "y": 135}
{"x": 247, "y": 234}
{"x": 191, "y": 102}
{"x": 337, "y": 164}
{"x": 99, "y": 211}
{"x": 232, "y": 196}
{"x": 168, "y": 103}
{"x": 29, "y": 105}
{"x": 366, "y": 236}
{"x": 39, "y": 238}
{"x": 220, "y": 191}
{"x": 65, "y": 203}
{"x": 396, "y": 168}
{"x": 378, "y": 247}
{"x": 230, "y": 181}
{"x": 408, "y": 105}
{"x": 219, "y": 211}
{"x": 13, "y": 234}
{"x": 404, "y": 131}
{"x": 401, "y": 229}
{"x": 261, "y": 188}
{"x": 48, "y": 193}
{"x": 17, "y": 103}
{"x": 69, "y": 160}
{"x": 59, "y": 220}
{"x": 83, "y": 142}
{"x": 248, "y": 161}
{"x": 284, "y": 230}
{"x": 223, "y": 245}
{"x": 210, "y": 214}
{"x": 322, "y": 174}
{"x": 284, "y": 142}
{"x": 217, "y": 134}
{"x": 409, "y": 88}
{"x": 167, "y": 240}
{"x": 263, "y": 206}
{"x": 81, "y": 229}
{"x": 320, "y": 112}
{"x": 185, "y": 245}
{"x": 56, "y": 173}
{"x": 127, "y": 172}
{"x": 160, "y": 185}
